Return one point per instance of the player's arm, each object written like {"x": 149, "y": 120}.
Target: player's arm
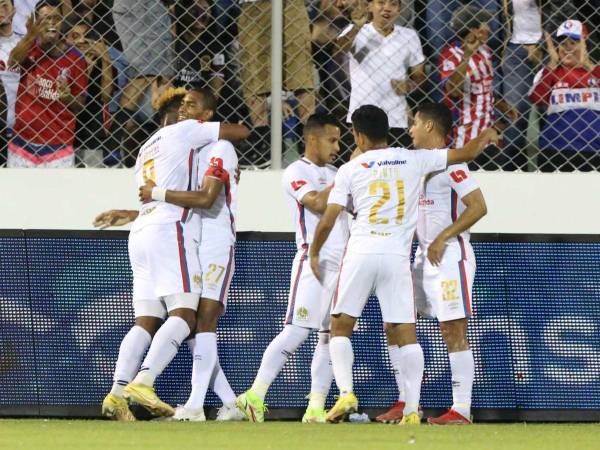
{"x": 202, "y": 199}
{"x": 316, "y": 201}
{"x": 115, "y": 218}
{"x": 475, "y": 210}
{"x": 324, "y": 227}
{"x": 473, "y": 148}
{"x": 233, "y": 132}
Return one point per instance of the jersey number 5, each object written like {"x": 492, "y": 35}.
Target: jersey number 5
{"x": 148, "y": 172}
{"x": 384, "y": 187}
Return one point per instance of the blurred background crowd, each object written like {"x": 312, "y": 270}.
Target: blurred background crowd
{"x": 82, "y": 79}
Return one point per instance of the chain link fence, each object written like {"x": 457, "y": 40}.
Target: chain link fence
{"x": 85, "y": 82}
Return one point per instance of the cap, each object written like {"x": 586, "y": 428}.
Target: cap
{"x": 468, "y": 17}
{"x": 573, "y": 29}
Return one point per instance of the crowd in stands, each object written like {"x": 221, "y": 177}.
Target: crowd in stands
{"x": 80, "y": 78}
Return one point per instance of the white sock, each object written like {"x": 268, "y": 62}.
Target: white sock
{"x": 396, "y": 360}
{"x": 413, "y": 364}
{"x": 276, "y": 355}
{"x": 321, "y": 372}
{"x": 462, "y": 366}
{"x": 163, "y": 349}
{"x": 132, "y": 349}
{"x": 220, "y": 385}
{"x": 205, "y": 358}
{"x": 342, "y": 359}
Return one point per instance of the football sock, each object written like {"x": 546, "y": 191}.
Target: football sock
{"x": 462, "y": 366}
{"x": 321, "y": 371}
{"x": 132, "y": 349}
{"x": 220, "y": 385}
{"x": 276, "y": 355}
{"x": 205, "y": 359}
{"x": 163, "y": 349}
{"x": 396, "y": 360}
{"x": 342, "y": 358}
{"x": 413, "y": 364}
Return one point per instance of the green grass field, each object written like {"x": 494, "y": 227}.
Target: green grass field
{"x": 96, "y": 434}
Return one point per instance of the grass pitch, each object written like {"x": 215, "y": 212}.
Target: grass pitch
{"x": 104, "y": 435}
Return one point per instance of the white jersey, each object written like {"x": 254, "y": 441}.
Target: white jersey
{"x": 300, "y": 178}
{"x": 168, "y": 158}
{"x": 10, "y": 76}
{"x": 220, "y": 161}
{"x": 384, "y": 185}
{"x": 440, "y": 203}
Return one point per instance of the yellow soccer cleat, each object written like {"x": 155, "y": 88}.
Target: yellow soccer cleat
{"x": 412, "y": 419}
{"x": 346, "y": 404}
{"x": 252, "y": 406}
{"x": 314, "y": 415}
{"x": 145, "y": 396}
{"x": 116, "y": 408}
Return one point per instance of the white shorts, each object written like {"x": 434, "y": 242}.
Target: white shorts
{"x": 309, "y": 301}
{"x": 164, "y": 261}
{"x": 218, "y": 264}
{"x": 444, "y": 292}
{"x": 386, "y": 276}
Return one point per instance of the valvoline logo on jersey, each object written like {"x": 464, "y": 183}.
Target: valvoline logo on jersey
{"x": 395, "y": 162}
{"x": 368, "y": 165}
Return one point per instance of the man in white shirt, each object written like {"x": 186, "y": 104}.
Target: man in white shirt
{"x": 450, "y": 202}
{"x": 383, "y": 184}
{"x": 9, "y": 75}
{"x": 386, "y": 64}
{"x": 307, "y": 183}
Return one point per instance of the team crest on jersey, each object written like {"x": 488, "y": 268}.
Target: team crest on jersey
{"x": 368, "y": 165}
{"x": 298, "y": 184}
{"x": 197, "y": 280}
{"x": 302, "y": 313}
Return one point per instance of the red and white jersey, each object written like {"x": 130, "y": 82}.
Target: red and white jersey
{"x": 384, "y": 185}
{"x": 440, "y": 204}
{"x": 300, "y": 178}
{"x": 10, "y": 76}
{"x": 220, "y": 161}
{"x": 168, "y": 158}
{"x": 475, "y": 108}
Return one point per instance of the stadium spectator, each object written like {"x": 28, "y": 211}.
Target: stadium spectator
{"x": 9, "y": 75}
{"x": 522, "y": 56}
{"x": 51, "y": 92}
{"x": 467, "y": 74}
{"x": 144, "y": 28}
{"x": 98, "y": 14}
{"x": 254, "y": 25}
{"x": 386, "y": 64}
{"x": 25, "y": 8}
{"x": 568, "y": 89}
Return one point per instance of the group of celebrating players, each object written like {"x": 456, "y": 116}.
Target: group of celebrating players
{"x": 354, "y": 231}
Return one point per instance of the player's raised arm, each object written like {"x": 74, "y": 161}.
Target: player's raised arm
{"x": 474, "y": 147}
{"x": 203, "y": 199}
{"x": 233, "y": 132}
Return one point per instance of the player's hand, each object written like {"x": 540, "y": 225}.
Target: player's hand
{"x": 436, "y": 250}
{"x": 403, "y": 87}
{"x": 489, "y": 136}
{"x": 113, "y": 218}
{"x": 145, "y": 192}
{"x": 314, "y": 266}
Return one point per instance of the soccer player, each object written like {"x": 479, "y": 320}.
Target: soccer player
{"x": 383, "y": 184}
{"x": 307, "y": 183}
{"x": 215, "y": 203}
{"x": 165, "y": 264}
{"x": 444, "y": 268}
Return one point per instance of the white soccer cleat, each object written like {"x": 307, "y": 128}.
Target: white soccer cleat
{"x": 183, "y": 414}
{"x": 230, "y": 413}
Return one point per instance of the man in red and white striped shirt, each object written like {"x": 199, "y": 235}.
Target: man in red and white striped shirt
{"x": 468, "y": 75}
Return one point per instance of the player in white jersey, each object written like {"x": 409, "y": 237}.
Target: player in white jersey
{"x": 164, "y": 259}
{"x": 215, "y": 203}
{"x": 384, "y": 186}
{"x": 450, "y": 203}
{"x": 306, "y": 183}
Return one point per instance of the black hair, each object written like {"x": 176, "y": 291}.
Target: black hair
{"x": 439, "y": 114}
{"x": 371, "y": 121}
{"x": 467, "y": 18}
{"x": 47, "y": 3}
{"x": 72, "y": 20}
{"x": 318, "y": 121}
{"x": 209, "y": 101}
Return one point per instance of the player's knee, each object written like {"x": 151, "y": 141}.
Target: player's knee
{"x": 188, "y": 315}
{"x": 342, "y": 325}
{"x": 455, "y": 335}
{"x": 208, "y": 315}
{"x": 148, "y": 323}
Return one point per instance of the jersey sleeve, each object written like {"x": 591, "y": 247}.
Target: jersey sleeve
{"x": 202, "y": 133}
{"x": 340, "y": 191}
{"x": 448, "y": 62}
{"x": 297, "y": 182}
{"x": 416, "y": 56}
{"x": 222, "y": 162}
{"x": 461, "y": 180}
{"x": 431, "y": 160}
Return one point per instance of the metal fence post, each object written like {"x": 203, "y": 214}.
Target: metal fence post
{"x": 276, "y": 82}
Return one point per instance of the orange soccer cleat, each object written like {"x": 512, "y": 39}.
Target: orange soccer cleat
{"x": 393, "y": 415}
{"x": 450, "y": 418}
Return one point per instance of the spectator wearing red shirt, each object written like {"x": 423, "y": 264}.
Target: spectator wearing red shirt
{"x": 467, "y": 73}
{"x": 51, "y": 91}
